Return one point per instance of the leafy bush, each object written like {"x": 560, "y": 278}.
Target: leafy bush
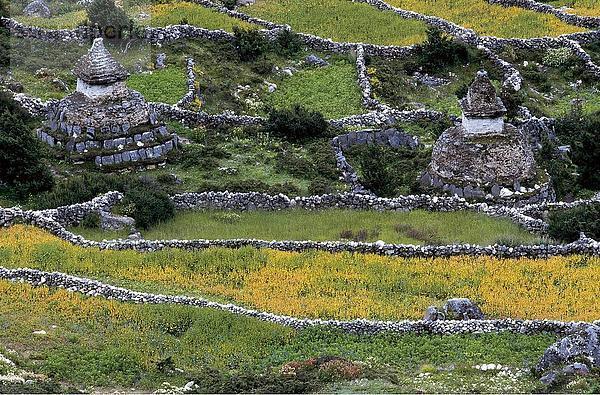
{"x": 558, "y": 57}
{"x": 249, "y": 43}
{"x": 205, "y": 157}
{"x": 148, "y": 205}
{"x": 320, "y": 186}
{"x": 296, "y": 124}
{"x": 582, "y": 133}
{"x": 287, "y": 43}
{"x": 112, "y": 20}
{"x": 22, "y": 168}
{"x": 566, "y": 225}
{"x": 230, "y": 4}
{"x": 389, "y": 172}
{"x": 561, "y": 170}
{"x": 91, "y": 221}
{"x": 438, "y": 52}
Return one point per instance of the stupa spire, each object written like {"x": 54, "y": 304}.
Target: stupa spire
{"x": 98, "y": 67}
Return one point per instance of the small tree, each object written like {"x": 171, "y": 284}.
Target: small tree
{"x": 21, "y": 157}
{"x": 288, "y": 43}
{"x": 250, "y": 44}
{"x": 296, "y": 124}
{"x": 110, "y": 18}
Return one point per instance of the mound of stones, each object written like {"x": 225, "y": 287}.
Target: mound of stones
{"x": 575, "y": 353}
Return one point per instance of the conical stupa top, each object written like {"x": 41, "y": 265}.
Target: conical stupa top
{"x": 98, "y": 67}
{"x": 481, "y": 100}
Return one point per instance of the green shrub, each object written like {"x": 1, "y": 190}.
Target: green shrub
{"x": 438, "y": 52}
{"x": 111, "y": 19}
{"x": 22, "y": 166}
{"x": 566, "y": 225}
{"x": 91, "y": 221}
{"x": 582, "y": 133}
{"x": 561, "y": 170}
{"x": 558, "y": 57}
{"x": 320, "y": 186}
{"x": 148, "y": 205}
{"x": 205, "y": 157}
{"x": 230, "y": 4}
{"x": 287, "y": 43}
{"x": 296, "y": 124}
{"x": 389, "y": 172}
{"x": 249, "y": 43}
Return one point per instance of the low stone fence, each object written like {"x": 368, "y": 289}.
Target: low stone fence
{"x": 55, "y": 220}
{"x": 191, "y": 84}
{"x": 96, "y": 288}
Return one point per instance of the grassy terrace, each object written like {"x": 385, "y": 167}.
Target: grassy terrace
{"x": 120, "y": 346}
{"x": 579, "y": 7}
{"x": 341, "y": 20}
{"x": 416, "y": 227}
{"x": 318, "y": 284}
{"x": 489, "y": 19}
{"x": 193, "y": 14}
{"x": 68, "y": 20}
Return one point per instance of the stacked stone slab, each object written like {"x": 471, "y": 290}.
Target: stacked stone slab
{"x": 484, "y": 157}
{"x": 37, "y": 8}
{"x": 105, "y": 122}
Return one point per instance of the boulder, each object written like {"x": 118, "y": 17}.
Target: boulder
{"x": 314, "y": 60}
{"x": 110, "y": 221}
{"x": 583, "y": 344}
{"x": 462, "y": 309}
{"x": 160, "y": 61}
{"x": 433, "y": 314}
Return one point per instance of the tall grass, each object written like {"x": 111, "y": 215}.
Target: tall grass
{"x": 490, "y": 19}
{"x": 108, "y": 344}
{"x": 341, "y": 20}
{"x": 331, "y": 90}
{"x": 193, "y": 14}
{"x": 417, "y": 227}
{"x": 319, "y": 284}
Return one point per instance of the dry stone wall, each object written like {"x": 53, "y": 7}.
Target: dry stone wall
{"x": 572, "y": 19}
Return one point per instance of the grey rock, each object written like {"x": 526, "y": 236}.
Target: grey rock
{"x": 462, "y": 309}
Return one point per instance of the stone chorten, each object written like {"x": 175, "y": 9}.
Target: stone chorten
{"x": 37, "y": 8}
{"x": 104, "y": 121}
{"x": 483, "y": 155}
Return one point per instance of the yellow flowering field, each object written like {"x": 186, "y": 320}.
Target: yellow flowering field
{"x": 490, "y": 19}
{"x": 318, "y": 284}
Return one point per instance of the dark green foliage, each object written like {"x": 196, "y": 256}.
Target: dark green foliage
{"x": 561, "y": 170}
{"x": 148, "y": 205}
{"x": 320, "y": 186}
{"x": 205, "y": 157}
{"x": 512, "y": 100}
{"x": 296, "y": 124}
{"x": 230, "y": 4}
{"x": 112, "y": 20}
{"x": 251, "y": 186}
{"x": 288, "y": 43}
{"x": 22, "y": 166}
{"x": 582, "y": 133}
{"x": 389, "y": 172}
{"x": 250, "y": 44}
{"x": 318, "y": 162}
{"x": 146, "y": 200}
{"x": 566, "y": 225}
{"x": 4, "y": 37}
{"x": 91, "y": 221}
{"x": 438, "y": 52}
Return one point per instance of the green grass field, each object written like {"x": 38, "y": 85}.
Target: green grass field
{"x": 418, "y": 227}
{"x": 193, "y": 14}
{"x": 341, "y": 20}
{"x": 119, "y": 346}
{"x": 166, "y": 85}
{"x": 68, "y": 20}
{"x": 331, "y": 90}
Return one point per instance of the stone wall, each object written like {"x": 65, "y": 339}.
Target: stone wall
{"x": 96, "y": 288}
{"x": 55, "y": 220}
{"x": 190, "y": 95}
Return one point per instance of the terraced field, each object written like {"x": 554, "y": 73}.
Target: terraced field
{"x": 315, "y": 284}
{"x": 341, "y": 20}
{"x": 193, "y": 14}
{"x": 579, "y": 7}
